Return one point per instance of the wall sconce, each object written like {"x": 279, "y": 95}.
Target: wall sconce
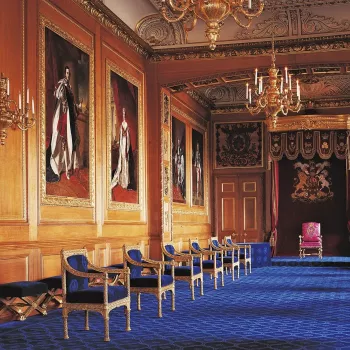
{"x": 15, "y": 116}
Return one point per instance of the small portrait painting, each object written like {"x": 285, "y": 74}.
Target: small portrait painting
{"x": 197, "y": 168}
{"x": 66, "y": 118}
{"x": 124, "y": 138}
{"x": 179, "y": 160}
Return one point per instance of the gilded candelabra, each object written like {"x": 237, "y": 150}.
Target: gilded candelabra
{"x": 276, "y": 97}
{"x": 12, "y": 115}
{"x": 212, "y": 12}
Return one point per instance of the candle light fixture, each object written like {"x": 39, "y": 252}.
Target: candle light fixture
{"x": 11, "y": 114}
{"x": 276, "y": 96}
{"x": 212, "y": 12}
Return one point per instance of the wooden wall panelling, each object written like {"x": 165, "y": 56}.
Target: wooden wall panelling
{"x": 17, "y": 264}
{"x": 31, "y": 45}
{"x": 13, "y": 154}
{"x": 153, "y": 129}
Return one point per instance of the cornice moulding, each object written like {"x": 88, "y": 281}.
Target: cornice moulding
{"x": 308, "y": 122}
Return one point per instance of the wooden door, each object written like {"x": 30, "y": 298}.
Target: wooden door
{"x": 226, "y": 208}
{"x": 239, "y": 207}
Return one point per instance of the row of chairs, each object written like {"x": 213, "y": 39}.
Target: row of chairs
{"x": 79, "y": 276}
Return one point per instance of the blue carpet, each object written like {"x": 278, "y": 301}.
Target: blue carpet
{"x": 272, "y": 308}
{"x": 326, "y": 261}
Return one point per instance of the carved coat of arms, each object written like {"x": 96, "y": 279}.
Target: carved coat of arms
{"x": 312, "y": 182}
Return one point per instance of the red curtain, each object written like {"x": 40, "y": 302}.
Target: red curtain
{"x": 274, "y": 205}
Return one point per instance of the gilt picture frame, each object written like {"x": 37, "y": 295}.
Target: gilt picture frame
{"x": 66, "y": 101}
{"x": 125, "y": 139}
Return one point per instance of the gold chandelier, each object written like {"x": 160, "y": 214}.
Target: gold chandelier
{"x": 15, "y": 116}
{"x": 212, "y": 12}
{"x": 276, "y": 96}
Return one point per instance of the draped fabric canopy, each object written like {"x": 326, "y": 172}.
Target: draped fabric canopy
{"x": 308, "y": 143}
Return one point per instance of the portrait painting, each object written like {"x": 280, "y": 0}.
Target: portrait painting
{"x": 197, "y": 168}
{"x": 179, "y": 160}
{"x": 67, "y": 119}
{"x": 124, "y": 139}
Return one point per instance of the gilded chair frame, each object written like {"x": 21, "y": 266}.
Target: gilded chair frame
{"x": 215, "y": 270}
{"x": 104, "y": 308}
{"x": 180, "y": 258}
{"x": 156, "y": 266}
{"x": 224, "y": 249}
{"x": 247, "y": 256}
{"x": 319, "y": 249}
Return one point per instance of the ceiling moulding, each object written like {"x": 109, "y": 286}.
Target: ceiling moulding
{"x": 108, "y": 19}
{"x": 316, "y": 105}
{"x": 297, "y": 46}
{"x": 302, "y": 3}
{"x": 202, "y": 100}
{"x": 276, "y": 4}
{"x": 290, "y": 22}
{"x": 311, "y": 122}
{"x": 156, "y": 31}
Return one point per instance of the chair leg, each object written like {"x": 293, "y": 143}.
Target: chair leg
{"x": 127, "y": 312}
{"x": 106, "y": 321}
{"x": 233, "y": 273}
{"x": 160, "y": 305}
{"x": 300, "y": 253}
{"x": 65, "y": 324}
{"x": 222, "y": 278}
{"x": 192, "y": 289}
{"x": 87, "y": 320}
{"x": 245, "y": 268}
{"x": 250, "y": 266}
{"x": 201, "y": 281}
{"x": 173, "y": 299}
{"x": 215, "y": 281}
{"x": 139, "y": 301}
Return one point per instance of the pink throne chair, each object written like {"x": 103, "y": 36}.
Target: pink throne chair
{"x": 310, "y": 239}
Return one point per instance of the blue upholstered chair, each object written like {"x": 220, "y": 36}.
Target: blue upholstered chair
{"x": 187, "y": 272}
{"x": 212, "y": 265}
{"x": 155, "y": 283}
{"x": 230, "y": 259}
{"x": 78, "y": 295}
{"x": 244, "y": 252}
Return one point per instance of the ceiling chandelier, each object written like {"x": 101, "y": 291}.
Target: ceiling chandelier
{"x": 212, "y": 12}
{"x": 276, "y": 96}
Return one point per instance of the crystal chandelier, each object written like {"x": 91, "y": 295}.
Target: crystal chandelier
{"x": 15, "y": 116}
{"x": 212, "y": 12}
{"x": 276, "y": 96}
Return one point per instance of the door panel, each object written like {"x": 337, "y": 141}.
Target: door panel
{"x": 228, "y": 214}
{"x": 239, "y": 207}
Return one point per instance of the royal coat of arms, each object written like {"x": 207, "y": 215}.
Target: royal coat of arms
{"x": 312, "y": 183}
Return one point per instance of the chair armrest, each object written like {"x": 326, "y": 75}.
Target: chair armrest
{"x": 184, "y": 257}
{"x": 150, "y": 261}
{"x": 156, "y": 264}
{"x": 84, "y": 274}
{"x": 109, "y": 269}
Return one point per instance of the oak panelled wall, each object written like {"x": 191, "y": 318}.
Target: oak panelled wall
{"x": 32, "y": 233}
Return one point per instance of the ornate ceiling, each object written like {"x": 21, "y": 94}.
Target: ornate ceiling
{"x": 300, "y": 26}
